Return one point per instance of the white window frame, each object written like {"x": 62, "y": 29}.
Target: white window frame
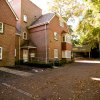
{"x": 32, "y": 55}
{"x": 61, "y": 23}
{"x": 55, "y": 53}
{"x": 1, "y": 53}
{"x": 24, "y": 35}
{"x": 55, "y": 35}
{"x": 66, "y": 54}
{"x": 1, "y": 27}
{"x": 15, "y": 52}
{"x": 25, "y": 18}
{"x": 68, "y": 38}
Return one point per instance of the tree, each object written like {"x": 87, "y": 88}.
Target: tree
{"x": 66, "y": 8}
{"x": 89, "y": 26}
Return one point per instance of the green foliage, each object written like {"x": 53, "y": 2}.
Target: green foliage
{"x": 89, "y": 26}
{"x": 66, "y": 8}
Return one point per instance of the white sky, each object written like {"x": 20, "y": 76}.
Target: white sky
{"x": 42, "y": 4}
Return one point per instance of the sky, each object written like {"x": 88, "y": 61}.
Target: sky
{"x": 42, "y": 4}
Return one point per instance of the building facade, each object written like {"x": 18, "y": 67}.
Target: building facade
{"x": 27, "y": 13}
{"x": 7, "y": 34}
{"x": 50, "y": 35}
{"x": 31, "y": 36}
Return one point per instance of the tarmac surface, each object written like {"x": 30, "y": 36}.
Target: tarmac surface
{"x": 76, "y": 81}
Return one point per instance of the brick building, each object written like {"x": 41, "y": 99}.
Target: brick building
{"x": 7, "y": 34}
{"x": 36, "y": 36}
{"x": 50, "y": 35}
{"x": 27, "y": 12}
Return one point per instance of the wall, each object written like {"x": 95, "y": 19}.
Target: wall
{"x": 7, "y": 42}
{"x": 7, "y": 38}
{"x": 37, "y": 36}
{"x": 54, "y": 26}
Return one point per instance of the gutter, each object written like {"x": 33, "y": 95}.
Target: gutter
{"x": 46, "y": 44}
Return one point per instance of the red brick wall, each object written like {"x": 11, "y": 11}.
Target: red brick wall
{"x": 6, "y": 14}
{"x": 31, "y": 10}
{"x": 54, "y": 26}
{"x": 17, "y": 44}
{"x": 7, "y": 42}
{"x": 7, "y": 39}
{"x": 25, "y": 7}
{"x": 37, "y": 36}
{"x": 66, "y": 46}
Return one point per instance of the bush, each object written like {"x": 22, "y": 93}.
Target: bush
{"x": 19, "y": 62}
{"x": 50, "y": 64}
{"x": 35, "y": 64}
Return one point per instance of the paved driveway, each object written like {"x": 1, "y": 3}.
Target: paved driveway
{"x": 77, "y": 81}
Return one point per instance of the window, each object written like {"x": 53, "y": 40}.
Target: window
{"x": 15, "y": 52}
{"x": 66, "y": 54}
{"x": 63, "y": 38}
{"x": 68, "y": 39}
{"x": 55, "y": 35}
{"x": 0, "y": 53}
{"x": 1, "y": 27}
{"x": 25, "y": 18}
{"x": 25, "y": 36}
{"x": 32, "y": 55}
{"x": 55, "y": 53}
{"x": 61, "y": 23}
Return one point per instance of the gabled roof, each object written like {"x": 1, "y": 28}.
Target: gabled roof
{"x": 44, "y": 19}
{"x": 12, "y": 9}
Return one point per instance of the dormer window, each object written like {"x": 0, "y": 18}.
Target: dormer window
{"x": 25, "y": 18}
{"x": 1, "y": 27}
{"x": 25, "y": 36}
{"x": 61, "y": 23}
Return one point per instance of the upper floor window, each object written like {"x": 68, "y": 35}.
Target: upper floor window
{"x": 55, "y": 35}
{"x": 0, "y": 53}
{"x": 1, "y": 27}
{"x": 25, "y": 36}
{"x": 61, "y": 23}
{"x": 25, "y": 18}
{"x": 68, "y": 38}
{"x": 63, "y": 38}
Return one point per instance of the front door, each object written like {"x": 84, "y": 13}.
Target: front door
{"x": 25, "y": 55}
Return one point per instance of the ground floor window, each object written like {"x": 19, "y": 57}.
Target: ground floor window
{"x": 0, "y": 53}
{"x": 55, "y": 53}
{"x": 66, "y": 54}
{"x": 32, "y": 55}
{"x": 15, "y": 52}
